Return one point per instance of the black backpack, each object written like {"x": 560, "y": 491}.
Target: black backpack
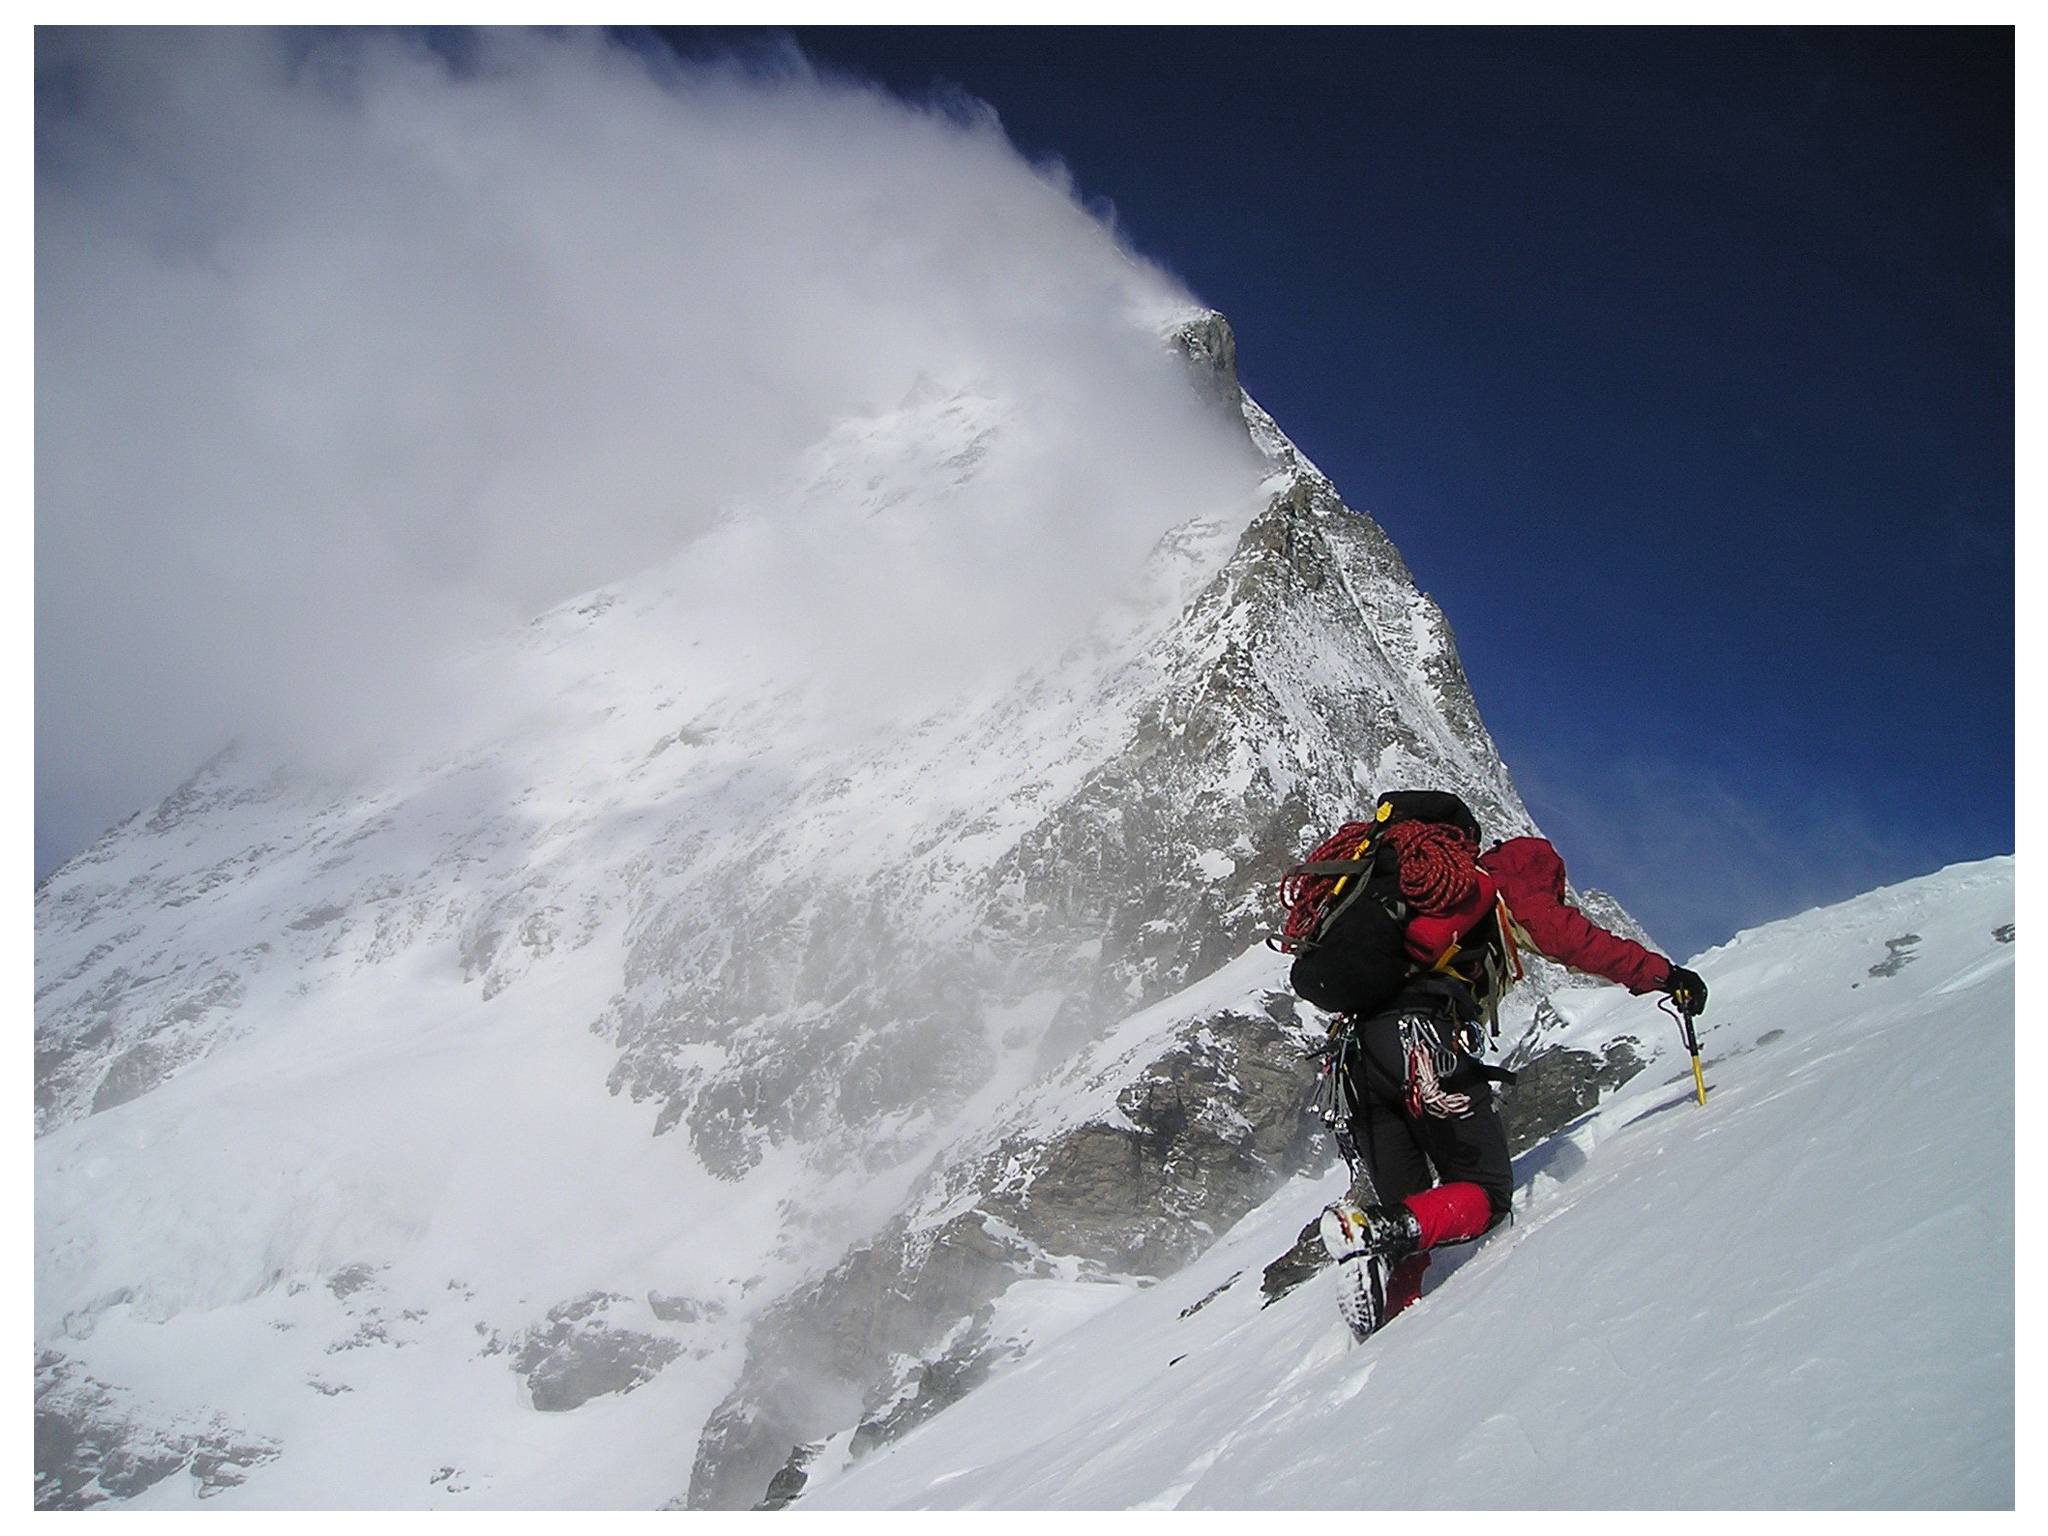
{"x": 1346, "y": 922}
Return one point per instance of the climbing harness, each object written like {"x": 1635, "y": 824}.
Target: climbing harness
{"x": 1429, "y": 1060}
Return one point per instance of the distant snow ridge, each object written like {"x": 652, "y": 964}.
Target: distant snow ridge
{"x": 713, "y": 1072}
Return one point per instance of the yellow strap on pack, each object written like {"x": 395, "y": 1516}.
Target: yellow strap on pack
{"x": 1386, "y": 809}
{"x": 1506, "y": 919}
{"x": 1356, "y": 853}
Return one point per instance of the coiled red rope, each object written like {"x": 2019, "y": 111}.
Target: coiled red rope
{"x": 1439, "y": 865}
{"x": 1306, "y": 896}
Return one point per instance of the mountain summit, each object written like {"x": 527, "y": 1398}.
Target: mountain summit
{"x": 726, "y": 1030}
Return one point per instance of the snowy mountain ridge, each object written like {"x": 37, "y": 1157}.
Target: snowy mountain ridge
{"x": 687, "y": 1042}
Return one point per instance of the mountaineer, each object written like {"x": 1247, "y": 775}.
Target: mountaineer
{"x": 1410, "y": 935}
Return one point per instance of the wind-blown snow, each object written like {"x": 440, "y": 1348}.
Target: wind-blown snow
{"x": 1801, "y": 1295}
{"x": 356, "y": 347}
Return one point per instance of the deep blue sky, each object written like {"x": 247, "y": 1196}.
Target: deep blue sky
{"x": 1678, "y": 363}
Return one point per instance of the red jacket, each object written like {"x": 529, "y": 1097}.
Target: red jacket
{"x": 1531, "y": 876}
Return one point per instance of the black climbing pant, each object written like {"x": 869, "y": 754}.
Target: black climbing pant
{"x": 1407, "y": 1152}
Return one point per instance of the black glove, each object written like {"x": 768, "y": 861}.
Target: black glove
{"x": 1686, "y": 989}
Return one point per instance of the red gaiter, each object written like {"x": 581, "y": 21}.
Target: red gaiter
{"x": 1450, "y": 1213}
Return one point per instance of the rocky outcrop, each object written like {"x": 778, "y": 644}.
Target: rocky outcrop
{"x": 1203, "y": 1133}
{"x": 578, "y": 1354}
{"x": 1561, "y": 1084}
{"x": 96, "y": 1442}
{"x": 1210, "y": 347}
{"x": 1195, "y": 1137}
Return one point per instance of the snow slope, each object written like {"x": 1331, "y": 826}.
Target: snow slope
{"x": 1799, "y": 1296}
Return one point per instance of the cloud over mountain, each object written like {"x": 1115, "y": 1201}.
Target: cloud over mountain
{"x": 353, "y": 348}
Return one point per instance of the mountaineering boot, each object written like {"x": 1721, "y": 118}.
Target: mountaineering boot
{"x": 1366, "y": 1242}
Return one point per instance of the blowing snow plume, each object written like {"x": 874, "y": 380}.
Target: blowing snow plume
{"x": 354, "y": 349}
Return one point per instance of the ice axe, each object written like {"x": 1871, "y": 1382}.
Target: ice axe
{"x": 1692, "y": 1044}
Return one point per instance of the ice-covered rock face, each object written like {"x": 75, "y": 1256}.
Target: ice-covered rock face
{"x": 668, "y": 984}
